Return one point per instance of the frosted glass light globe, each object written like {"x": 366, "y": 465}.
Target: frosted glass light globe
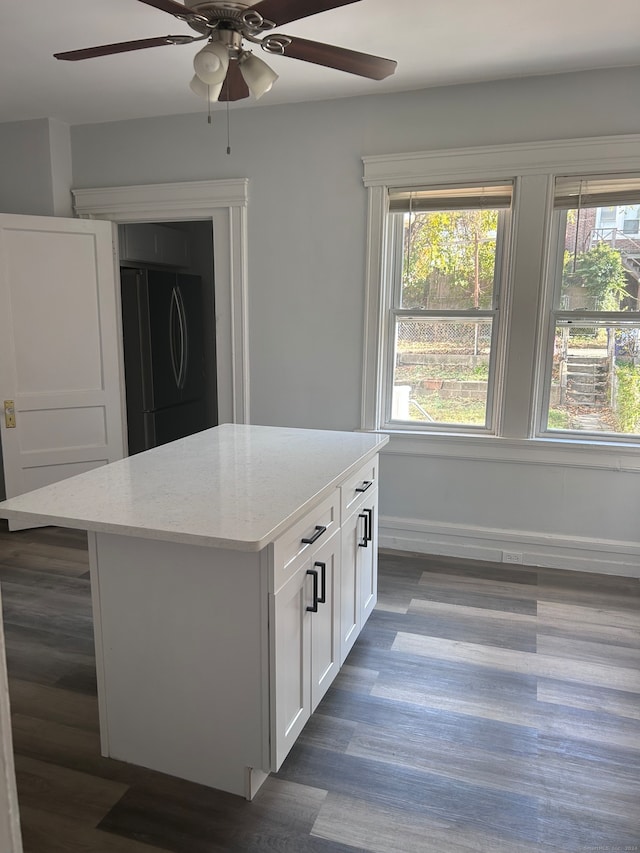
{"x": 211, "y": 63}
{"x": 202, "y": 90}
{"x": 257, "y": 75}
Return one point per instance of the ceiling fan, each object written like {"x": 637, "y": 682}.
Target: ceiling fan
{"x": 224, "y": 69}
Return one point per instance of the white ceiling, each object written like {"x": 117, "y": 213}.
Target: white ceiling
{"x": 436, "y": 42}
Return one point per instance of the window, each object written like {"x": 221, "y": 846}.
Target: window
{"x": 503, "y": 314}
{"x": 594, "y": 382}
{"x": 447, "y": 246}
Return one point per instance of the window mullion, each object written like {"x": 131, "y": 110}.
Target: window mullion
{"x": 522, "y": 304}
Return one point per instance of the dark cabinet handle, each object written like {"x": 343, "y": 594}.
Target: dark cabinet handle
{"x": 320, "y": 529}
{"x": 362, "y": 543}
{"x": 367, "y": 514}
{"x": 314, "y": 606}
{"x": 369, "y": 529}
{"x": 322, "y": 598}
{"x": 365, "y": 485}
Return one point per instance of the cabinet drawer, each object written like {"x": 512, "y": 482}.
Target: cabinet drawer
{"x": 354, "y": 490}
{"x": 290, "y": 549}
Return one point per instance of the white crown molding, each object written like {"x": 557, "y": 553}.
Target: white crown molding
{"x": 119, "y": 203}
{"x": 225, "y": 203}
{"x": 572, "y": 156}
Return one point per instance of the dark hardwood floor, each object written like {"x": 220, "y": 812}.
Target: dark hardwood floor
{"x": 484, "y": 709}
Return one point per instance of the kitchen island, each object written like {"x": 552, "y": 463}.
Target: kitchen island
{"x": 231, "y": 573}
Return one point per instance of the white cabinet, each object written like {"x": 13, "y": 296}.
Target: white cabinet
{"x": 359, "y": 575}
{"x": 148, "y": 243}
{"x": 236, "y": 593}
{"x": 305, "y": 638}
{"x": 325, "y": 582}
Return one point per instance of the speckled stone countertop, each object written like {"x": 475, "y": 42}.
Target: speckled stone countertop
{"x": 233, "y": 486}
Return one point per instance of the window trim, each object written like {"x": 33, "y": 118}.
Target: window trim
{"x": 533, "y": 167}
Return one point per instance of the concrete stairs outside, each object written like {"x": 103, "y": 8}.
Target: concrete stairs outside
{"x": 587, "y": 378}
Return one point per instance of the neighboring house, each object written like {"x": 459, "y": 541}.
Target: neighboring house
{"x": 618, "y": 227}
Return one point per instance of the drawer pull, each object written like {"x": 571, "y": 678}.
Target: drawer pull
{"x": 365, "y": 485}
{"x": 322, "y": 598}
{"x": 320, "y": 529}
{"x": 314, "y": 607}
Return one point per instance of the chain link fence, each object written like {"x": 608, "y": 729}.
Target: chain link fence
{"x": 462, "y": 337}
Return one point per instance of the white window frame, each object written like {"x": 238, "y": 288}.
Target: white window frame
{"x": 533, "y": 167}
{"x": 554, "y": 313}
{"x": 393, "y": 275}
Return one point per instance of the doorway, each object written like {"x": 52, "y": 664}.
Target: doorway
{"x": 223, "y": 204}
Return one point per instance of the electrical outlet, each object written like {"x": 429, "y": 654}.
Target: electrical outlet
{"x": 511, "y": 557}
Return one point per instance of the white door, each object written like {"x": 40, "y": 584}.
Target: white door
{"x": 60, "y": 370}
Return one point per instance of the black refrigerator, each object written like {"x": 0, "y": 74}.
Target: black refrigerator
{"x": 163, "y": 356}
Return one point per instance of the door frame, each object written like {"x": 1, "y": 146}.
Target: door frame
{"x": 224, "y": 202}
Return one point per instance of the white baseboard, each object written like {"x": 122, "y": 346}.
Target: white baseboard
{"x": 608, "y": 557}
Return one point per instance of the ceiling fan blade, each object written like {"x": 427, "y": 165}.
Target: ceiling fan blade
{"x": 284, "y": 11}
{"x": 234, "y": 88}
{"x": 178, "y": 10}
{"x": 123, "y": 46}
{"x": 363, "y": 64}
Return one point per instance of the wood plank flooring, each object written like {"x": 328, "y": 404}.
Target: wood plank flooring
{"x": 484, "y": 709}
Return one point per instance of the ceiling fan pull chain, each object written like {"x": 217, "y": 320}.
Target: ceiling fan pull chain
{"x": 209, "y": 119}
{"x": 228, "y": 131}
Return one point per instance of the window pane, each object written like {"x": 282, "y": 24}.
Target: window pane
{"x": 595, "y": 383}
{"x": 441, "y": 369}
{"x": 601, "y": 260}
{"x": 449, "y": 259}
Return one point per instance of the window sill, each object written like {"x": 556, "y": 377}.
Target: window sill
{"x": 572, "y": 452}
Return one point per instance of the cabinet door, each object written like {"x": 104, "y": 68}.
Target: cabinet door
{"x": 352, "y": 532}
{"x": 325, "y": 622}
{"x": 174, "y": 247}
{"x": 359, "y": 571}
{"x": 139, "y": 242}
{"x": 368, "y": 559}
{"x": 291, "y": 655}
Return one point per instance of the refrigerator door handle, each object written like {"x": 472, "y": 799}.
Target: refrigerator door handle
{"x": 173, "y": 320}
{"x": 178, "y": 338}
{"x": 184, "y": 341}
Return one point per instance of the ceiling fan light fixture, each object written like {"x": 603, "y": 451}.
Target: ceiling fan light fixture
{"x": 256, "y": 74}
{"x": 202, "y": 90}
{"x": 211, "y": 63}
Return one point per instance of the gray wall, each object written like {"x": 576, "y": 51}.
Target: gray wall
{"x": 307, "y": 205}
{"x": 307, "y": 220}
{"x": 35, "y": 175}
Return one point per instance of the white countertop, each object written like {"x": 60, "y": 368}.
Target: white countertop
{"x": 233, "y": 486}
